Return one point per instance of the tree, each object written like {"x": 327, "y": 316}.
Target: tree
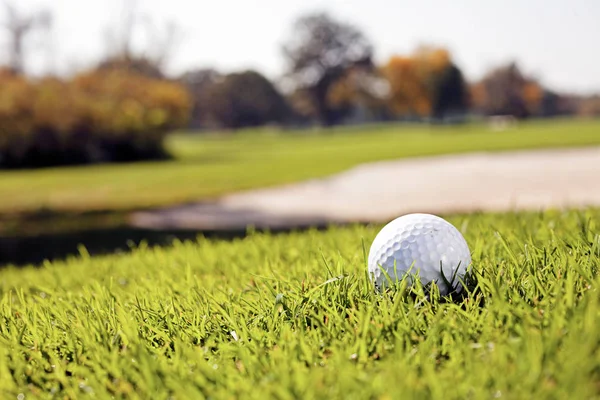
{"x": 589, "y": 107}
{"x": 199, "y": 83}
{"x": 505, "y": 90}
{"x": 132, "y": 63}
{"x": 450, "y": 93}
{"x": 426, "y": 83}
{"x": 408, "y": 89}
{"x": 246, "y": 99}
{"x": 360, "y": 95}
{"x": 319, "y": 52}
{"x": 19, "y": 27}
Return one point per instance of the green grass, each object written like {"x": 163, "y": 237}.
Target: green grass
{"x": 293, "y": 316}
{"x": 209, "y": 166}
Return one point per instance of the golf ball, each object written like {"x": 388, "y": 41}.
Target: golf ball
{"x": 419, "y": 243}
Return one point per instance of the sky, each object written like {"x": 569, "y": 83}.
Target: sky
{"x": 554, "y": 40}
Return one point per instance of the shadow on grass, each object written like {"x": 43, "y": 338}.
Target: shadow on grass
{"x": 23, "y": 250}
{"x": 35, "y": 249}
{"x": 49, "y": 235}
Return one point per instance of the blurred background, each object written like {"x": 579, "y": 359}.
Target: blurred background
{"x": 112, "y": 106}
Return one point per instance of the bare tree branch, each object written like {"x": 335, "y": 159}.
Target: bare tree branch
{"x": 18, "y": 28}
{"x": 159, "y": 46}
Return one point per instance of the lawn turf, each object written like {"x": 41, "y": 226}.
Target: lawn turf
{"x": 293, "y": 316}
{"x": 207, "y": 166}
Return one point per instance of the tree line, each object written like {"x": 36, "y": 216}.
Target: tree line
{"x": 121, "y": 108}
{"x": 332, "y": 78}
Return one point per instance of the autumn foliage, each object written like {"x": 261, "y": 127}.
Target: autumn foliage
{"x": 98, "y": 116}
{"x": 425, "y": 83}
{"x": 122, "y": 110}
{"x": 408, "y": 88}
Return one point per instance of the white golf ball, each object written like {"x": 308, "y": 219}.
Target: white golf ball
{"x": 420, "y": 243}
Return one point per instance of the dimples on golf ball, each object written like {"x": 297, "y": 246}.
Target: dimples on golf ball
{"x": 419, "y": 242}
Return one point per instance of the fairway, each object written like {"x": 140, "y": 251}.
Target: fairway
{"x": 294, "y": 316}
{"x": 212, "y": 165}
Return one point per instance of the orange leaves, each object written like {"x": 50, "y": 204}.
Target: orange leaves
{"x": 406, "y": 86}
{"x": 532, "y": 95}
{"x": 478, "y": 96}
{"x": 15, "y": 107}
{"x": 342, "y": 93}
{"x": 53, "y": 116}
{"x": 135, "y": 102}
{"x": 101, "y": 101}
{"x": 431, "y": 59}
{"x": 412, "y": 79}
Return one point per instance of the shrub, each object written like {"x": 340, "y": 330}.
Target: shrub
{"x": 16, "y": 116}
{"x": 98, "y": 116}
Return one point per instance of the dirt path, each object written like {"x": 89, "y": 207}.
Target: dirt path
{"x": 378, "y": 192}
